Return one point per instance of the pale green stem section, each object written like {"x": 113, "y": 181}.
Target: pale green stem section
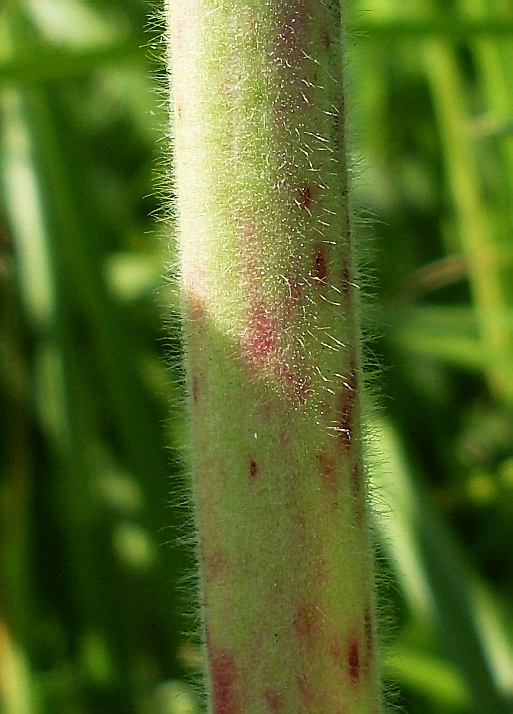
{"x": 273, "y": 356}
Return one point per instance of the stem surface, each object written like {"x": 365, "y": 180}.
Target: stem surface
{"x": 267, "y": 271}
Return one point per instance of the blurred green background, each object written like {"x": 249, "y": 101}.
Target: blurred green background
{"x": 93, "y": 599}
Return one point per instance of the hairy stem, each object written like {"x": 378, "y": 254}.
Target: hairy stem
{"x": 267, "y": 270}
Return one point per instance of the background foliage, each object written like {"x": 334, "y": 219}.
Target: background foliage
{"x": 92, "y": 607}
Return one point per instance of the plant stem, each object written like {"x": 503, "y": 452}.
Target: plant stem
{"x": 267, "y": 271}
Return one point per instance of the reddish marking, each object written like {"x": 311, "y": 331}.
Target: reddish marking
{"x": 262, "y": 339}
{"x": 320, "y": 270}
{"x": 304, "y": 688}
{"x": 273, "y": 700}
{"x": 327, "y": 467}
{"x": 195, "y": 307}
{"x": 307, "y": 621}
{"x": 223, "y": 676}
{"x": 253, "y": 468}
{"x": 347, "y": 404}
{"x": 305, "y": 197}
{"x": 353, "y": 661}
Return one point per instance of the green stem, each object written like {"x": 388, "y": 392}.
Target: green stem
{"x": 273, "y": 356}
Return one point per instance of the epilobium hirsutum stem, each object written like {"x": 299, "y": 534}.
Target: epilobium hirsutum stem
{"x": 273, "y": 356}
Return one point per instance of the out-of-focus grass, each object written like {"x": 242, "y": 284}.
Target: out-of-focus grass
{"x": 434, "y": 116}
{"x": 89, "y": 588}
{"x": 91, "y": 612}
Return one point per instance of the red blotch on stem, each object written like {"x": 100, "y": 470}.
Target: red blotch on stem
{"x": 253, "y": 469}
{"x": 353, "y": 661}
{"x": 274, "y": 700}
{"x": 262, "y": 337}
{"x": 223, "y": 675}
{"x": 320, "y": 267}
{"x": 346, "y": 408}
